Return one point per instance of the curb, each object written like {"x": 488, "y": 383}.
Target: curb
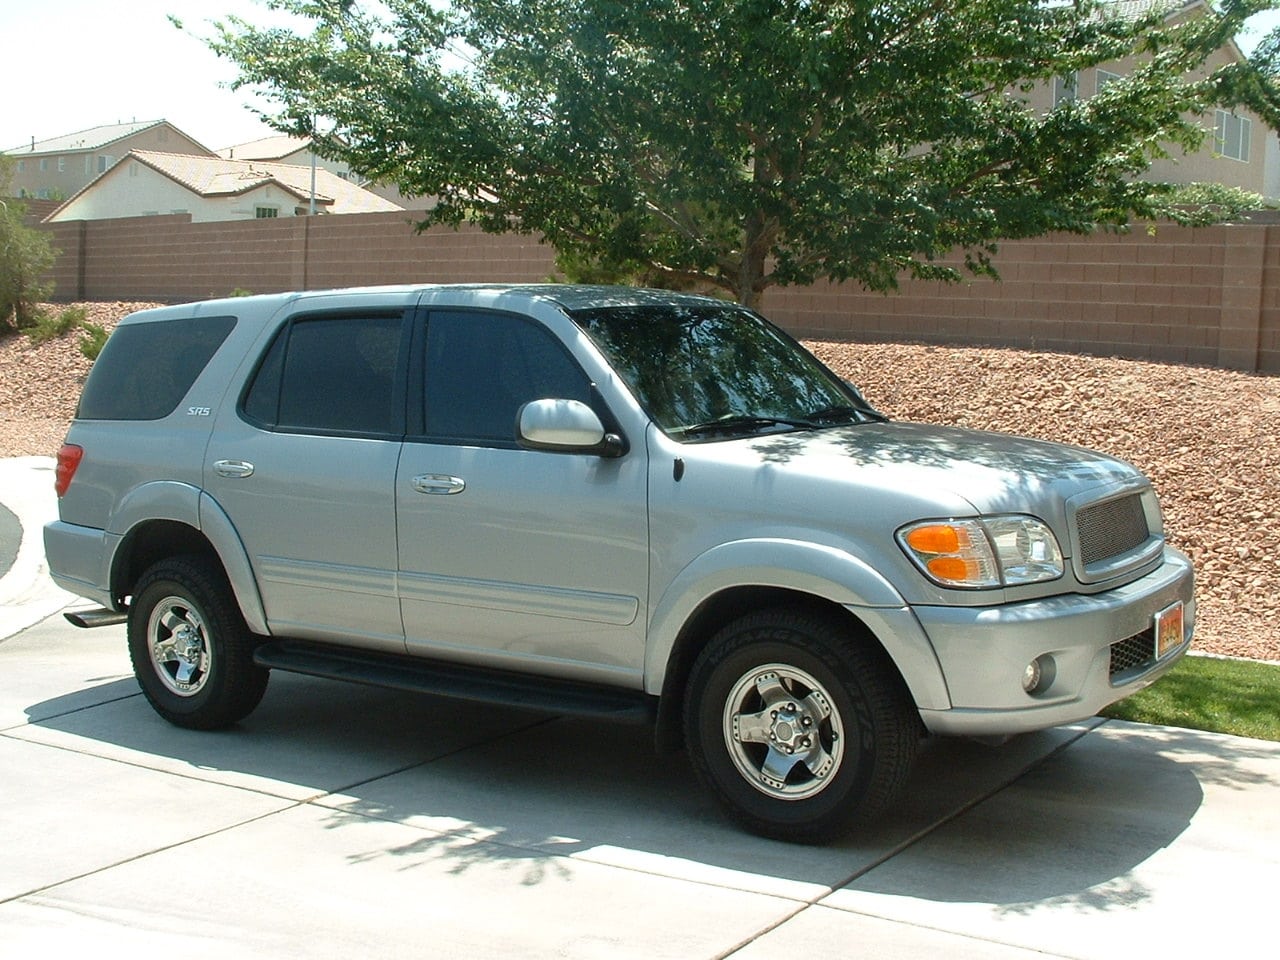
{"x": 27, "y": 594}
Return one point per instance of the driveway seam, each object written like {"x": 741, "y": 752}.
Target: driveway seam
{"x": 917, "y": 837}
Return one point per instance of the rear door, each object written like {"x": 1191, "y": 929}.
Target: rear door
{"x": 305, "y": 467}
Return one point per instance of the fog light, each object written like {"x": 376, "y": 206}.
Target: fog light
{"x": 1031, "y": 676}
{"x": 1039, "y": 674}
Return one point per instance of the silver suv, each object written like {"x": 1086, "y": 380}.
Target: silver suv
{"x": 621, "y": 503}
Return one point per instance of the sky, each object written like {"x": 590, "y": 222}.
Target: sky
{"x": 69, "y": 65}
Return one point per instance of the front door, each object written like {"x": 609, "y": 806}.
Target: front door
{"x": 511, "y": 557}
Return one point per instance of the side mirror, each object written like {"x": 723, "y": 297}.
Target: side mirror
{"x": 565, "y": 425}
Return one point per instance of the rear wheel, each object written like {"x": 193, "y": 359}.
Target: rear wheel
{"x": 799, "y": 730}
{"x": 191, "y": 651}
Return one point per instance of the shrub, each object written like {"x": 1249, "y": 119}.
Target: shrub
{"x": 92, "y": 339}
{"x": 47, "y": 326}
{"x": 25, "y": 256}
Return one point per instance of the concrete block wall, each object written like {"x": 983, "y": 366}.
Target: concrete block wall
{"x": 375, "y": 248}
{"x": 1209, "y": 296}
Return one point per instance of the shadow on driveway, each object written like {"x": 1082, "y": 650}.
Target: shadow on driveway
{"x": 1048, "y": 815}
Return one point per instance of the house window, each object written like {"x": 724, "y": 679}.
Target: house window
{"x": 266, "y": 213}
{"x": 22, "y": 166}
{"x": 105, "y": 163}
{"x": 44, "y": 164}
{"x": 133, "y": 169}
{"x": 62, "y": 164}
{"x": 1231, "y": 135}
{"x": 1105, "y": 77}
{"x": 1065, "y": 87}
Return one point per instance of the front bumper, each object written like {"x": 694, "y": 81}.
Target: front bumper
{"x": 983, "y": 653}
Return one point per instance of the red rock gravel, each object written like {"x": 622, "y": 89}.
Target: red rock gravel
{"x": 1209, "y": 439}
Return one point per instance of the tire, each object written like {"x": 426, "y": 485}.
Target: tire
{"x": 192, "y": 653}
{"x": 798, "y": 729}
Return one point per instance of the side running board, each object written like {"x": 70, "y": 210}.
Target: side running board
{"x": 458, "y": 682}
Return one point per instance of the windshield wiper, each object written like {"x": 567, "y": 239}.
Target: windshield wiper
{"x": 742, "y": 424}
{"x": 846, "y": 413}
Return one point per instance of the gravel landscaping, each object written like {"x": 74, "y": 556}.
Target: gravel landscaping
{"x": 1208, "y": 438}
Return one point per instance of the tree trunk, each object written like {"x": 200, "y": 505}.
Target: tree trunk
{"x": 759, "y": 233}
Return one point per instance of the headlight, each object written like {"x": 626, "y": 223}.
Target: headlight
{"x": 983, "y": 554}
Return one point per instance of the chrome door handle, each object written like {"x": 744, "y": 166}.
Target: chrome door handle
{"x": 233, "y": 469}
{"x": 438, "y": 484}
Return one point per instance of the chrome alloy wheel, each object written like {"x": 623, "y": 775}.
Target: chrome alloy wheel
{"x": 782, "y": 733}
{"x": 179, "y": 647}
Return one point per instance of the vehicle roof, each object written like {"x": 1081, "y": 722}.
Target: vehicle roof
{"x": 567, "y": 296}
{"x": 572, "y": 296}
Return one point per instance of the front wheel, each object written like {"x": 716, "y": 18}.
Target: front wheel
{"x": 191, "y": 651}
{"x": 797, "y": 728}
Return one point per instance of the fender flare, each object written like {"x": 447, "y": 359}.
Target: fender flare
{"x": 157, "y": 500}
{"x": 217, "y": 526}
{"x": 814, "y": 569}
{"x": 186, "y": 504}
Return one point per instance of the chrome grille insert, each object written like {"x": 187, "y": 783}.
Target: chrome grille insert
{"x": 1111, "y": 528}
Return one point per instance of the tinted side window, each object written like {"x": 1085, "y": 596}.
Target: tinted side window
{"x": 146, "y": 369}
{"x": 330, "y": 375}
{"x": 482, "y": 367}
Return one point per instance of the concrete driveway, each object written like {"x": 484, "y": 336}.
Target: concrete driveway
{"x": 340, "y": 821}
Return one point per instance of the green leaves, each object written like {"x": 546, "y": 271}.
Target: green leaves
{"x": 25, "y": 257}
{"x": 740, "y": 143}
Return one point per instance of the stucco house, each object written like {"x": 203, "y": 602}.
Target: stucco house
{"x": 56, "y": 168}
{"x": 1239, "y": 149}
{"x": 297, "y": 150}
{"x": 286, "y": 149}
{"x": 148, "y": 183}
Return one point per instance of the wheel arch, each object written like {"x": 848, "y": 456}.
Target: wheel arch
{"x": 727, "y": 605}
{"x": 148, "y": 542}
{"x": 211, "y": 537}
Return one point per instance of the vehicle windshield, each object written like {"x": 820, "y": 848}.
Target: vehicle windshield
{"x": 710, "y": 371}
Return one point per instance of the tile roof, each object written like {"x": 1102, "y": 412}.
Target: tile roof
{"x": 1135, "y": 9}
{"x": 90, "y": 139}
{"x": 268, "y": 148}
{"x": 217, "y": 177}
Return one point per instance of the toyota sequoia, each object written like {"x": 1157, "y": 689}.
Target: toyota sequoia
{"x": 615, "y": 503}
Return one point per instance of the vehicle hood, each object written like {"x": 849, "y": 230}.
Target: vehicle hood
{"x": 992, "y": 472}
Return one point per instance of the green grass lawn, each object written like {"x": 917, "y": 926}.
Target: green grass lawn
{"x": 1238, "y": 697}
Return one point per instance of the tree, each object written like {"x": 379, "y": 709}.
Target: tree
{"x": 25, "y": 256}
{"x": 743, "y": 143}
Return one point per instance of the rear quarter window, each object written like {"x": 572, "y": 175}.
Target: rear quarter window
{"x": 146, "y": 369}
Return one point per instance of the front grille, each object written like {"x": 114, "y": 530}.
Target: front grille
{"x": 1134, "y": 655}
{"x": 1111, "y": 528}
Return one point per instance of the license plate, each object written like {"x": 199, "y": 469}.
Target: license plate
{"x": 1168, "y": 629}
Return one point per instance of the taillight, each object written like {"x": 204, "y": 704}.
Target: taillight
{"x": 69, "y": 458}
